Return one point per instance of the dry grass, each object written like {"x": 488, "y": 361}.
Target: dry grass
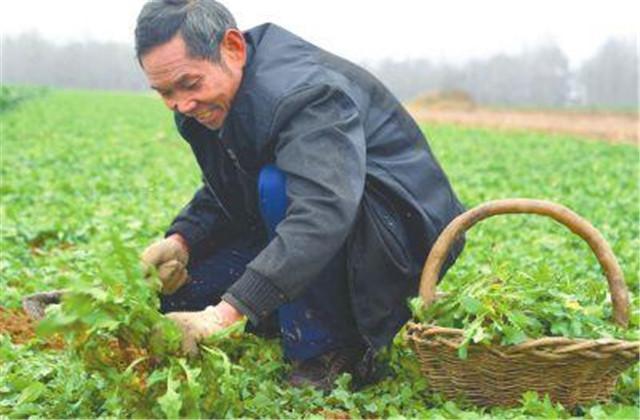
{"x": 615, "y": 127}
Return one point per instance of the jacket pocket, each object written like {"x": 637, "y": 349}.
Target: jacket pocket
{"x": 386, "y": 224}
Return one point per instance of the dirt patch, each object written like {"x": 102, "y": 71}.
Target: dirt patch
{"x": 607, "y": 126}
{"x": 123, "y": 354}
{"x": 334, "y": 415}
{"x": 21, "y": 328}
{"x": 45, "y": 239}
{"x": 451, "y": 99}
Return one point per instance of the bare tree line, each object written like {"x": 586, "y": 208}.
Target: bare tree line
{"x": 30, "y": 59}
{"x": 538, "y": 76}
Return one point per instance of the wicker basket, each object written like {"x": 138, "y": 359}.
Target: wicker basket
{"x": 571, "y": 371}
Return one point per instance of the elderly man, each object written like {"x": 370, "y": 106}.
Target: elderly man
{"x": 320, "y": 196}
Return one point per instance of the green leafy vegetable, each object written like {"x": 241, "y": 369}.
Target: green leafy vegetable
{"x": 88, "y": 179}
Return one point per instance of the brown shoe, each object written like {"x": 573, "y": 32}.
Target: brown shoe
{"x": 321, "y": 372}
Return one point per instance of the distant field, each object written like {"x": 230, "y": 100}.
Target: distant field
{"x": 89, "y": 179}
{"x": 618, "y": 127}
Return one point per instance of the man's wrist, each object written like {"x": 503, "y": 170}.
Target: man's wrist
{"x": 228, "y": 313}
{"x": 180, "y": 239}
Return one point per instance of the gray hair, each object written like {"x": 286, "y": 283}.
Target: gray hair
{"x": 202, "y": 24}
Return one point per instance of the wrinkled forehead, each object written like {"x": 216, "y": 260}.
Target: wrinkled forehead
{"x": 172, "y": 52}
{"x": 169, "y": 62}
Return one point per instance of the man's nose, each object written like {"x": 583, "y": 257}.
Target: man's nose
{"x": 183, "y": 106}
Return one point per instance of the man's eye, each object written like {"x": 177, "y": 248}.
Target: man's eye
{"x": 191, "y": 85}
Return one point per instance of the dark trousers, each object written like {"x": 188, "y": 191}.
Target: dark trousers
{"x": 318, "y": 321}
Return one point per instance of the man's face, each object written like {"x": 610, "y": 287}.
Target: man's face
{"x": 193, "y": 86}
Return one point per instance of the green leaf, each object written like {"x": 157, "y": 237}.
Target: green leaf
{"x": 371, "y": 407}
{"x": 560, "y": 328}
{"x": 31, "y": 393}
{"x": 171, "y": 401}
{"x": 463, "y": 351}
{"x": 625, "y": 412}
{"x": 519, "y": 319}
{"x": 471, "y": 305}
{"x": 597, "y": 412}
{"x": 513, "y": 335}
{"x": 479, "y": 335}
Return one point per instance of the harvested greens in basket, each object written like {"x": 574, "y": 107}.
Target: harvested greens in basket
{"x": 508, "y": 308}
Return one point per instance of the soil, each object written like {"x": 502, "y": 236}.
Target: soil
{"x": 21, "y": 328}
{"x": 123, "y": 354}
{"x": 335, "y": 415}
{"x": 614, "y": 127}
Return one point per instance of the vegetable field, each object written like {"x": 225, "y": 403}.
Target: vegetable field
{"x": 89, "y": 179}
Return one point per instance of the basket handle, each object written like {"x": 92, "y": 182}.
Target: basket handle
{"x": 578, "y": 225}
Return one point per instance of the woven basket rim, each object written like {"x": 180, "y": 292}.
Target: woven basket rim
{"x": 552, "y": 347}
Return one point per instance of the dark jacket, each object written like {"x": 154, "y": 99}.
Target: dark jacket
{"x": 359, "y": 171}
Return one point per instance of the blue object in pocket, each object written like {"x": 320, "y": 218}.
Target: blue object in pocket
{"x": 272, "y": 191}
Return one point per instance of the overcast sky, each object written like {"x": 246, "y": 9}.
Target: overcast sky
{"x": 361, "y": 30}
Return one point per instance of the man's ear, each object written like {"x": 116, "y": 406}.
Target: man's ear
{"x": 233, "y": 48}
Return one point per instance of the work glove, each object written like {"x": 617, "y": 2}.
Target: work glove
{"x": 196, "y": 326}
{"x": 169, "y": 257}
